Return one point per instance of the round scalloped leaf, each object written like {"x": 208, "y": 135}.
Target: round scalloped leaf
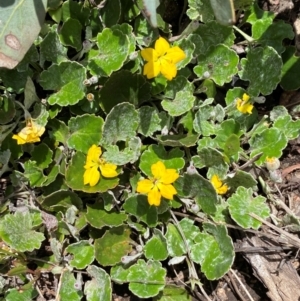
{"x": 256, "y": 13}
{"x": 74, "y": 177}
{"x": 67, "y": 79}
{"x": 200, "y": 10}
{"x": 155, "y": 153}
{"x": 173, "y": 293}
{"x": 99, "y": 288}
{"x": 209, "y": 157}
{"x": 34, "y": 174}
{"x": 271, "y": 142}
{"x": 291, "y": 128}
{"x": 194, "y": 186}
{"x": 16, "y": 231}
{"x": 213, "y": 33}
{"x": 119, "y": 273}
{"x": 113, "y": 50}
{"x": 7, "y": 109}
{"x": 262, "y": 68}
{"x": 68, "y": 290}
{"x": 59, "y": 130}
{"x": 241, "y": 178}
{"x": 146, "y": 279}
{"x": 62, "y": 200}
{"x": 75, "y": 10}
{"x": 139, "y": 207}
{"x": 214, "y": 251}
{"x": 85, "y": 130}
{"x": 128, "y": 154}
{"x": 42, "y": 155}
{"x": 98, "y": 217}
{"x": 120, "y": 124}
{"x": 111, "y": 14}
{"x": 18, "y": 30}
{"x": 132, "y": 88}
{"x": 83, "y": 254}
{"x": 290, "y": 79}
{"x": 27, "y": 294}
{"x": 156, "y": 247}
{"x": 219, "y": 63}
{"x": 70, "y": 34}
{"x": 242, "y": 203}
{"x": 112, "y": 246}
{"x": 269, "y": 33}
{"x": 180, "y": 90}
{"x": 149, "y": 121}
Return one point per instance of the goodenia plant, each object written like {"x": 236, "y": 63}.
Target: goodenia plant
{"x": 116, "y": 136}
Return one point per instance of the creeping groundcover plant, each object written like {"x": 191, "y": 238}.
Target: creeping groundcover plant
{"x": 130, "y": 142}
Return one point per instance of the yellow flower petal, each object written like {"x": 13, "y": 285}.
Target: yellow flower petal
{"x": 169, "y": 177}
{"x": 246, "y": 97}
{"x": 168, "y": 69}
{"x": 91, "y": 176}
{"x": 19, "y": 139}
{"x": 218, "y": 185}
{"x": 144, "y": 186}
{"x": 158, "y": 169}
{"x": 167, "y": 191}
{"x": 244, "y": 106}
{"x": 154, "y": 197}
{"x": 175, "y": 54}
{"x": 161, "y": 46}
{"x": 151, "y": 69}
{"x": 94, "y": 153}
{"x": 223, "y": 189}
{"x": 149, "y": 54}
{"x": 108, "y": 170}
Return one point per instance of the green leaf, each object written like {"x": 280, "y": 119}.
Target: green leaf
{"x": 85, "y": 130}
{"x": 224, "y": 11}
{"x": 155, "y": 153}
{"x": 114, "y": 244}
{"x": 175, "y": 243}
{"x": 59, "y": 130}
{"x": 98, "y": 217}
{"x": 139, "y": 207}
{"x": 16, "y": 231}
{"x": 74, "y": 177}
{"x": 180, "y": 90}
{"x": 173, "y": 293}
{"x": 128, "y": 154}
{"x": 212, "y": 34}
{"x": 241, "y": 178}
{"x": 62, "y": 200}
{"x": 112, "y": 13}
{"x": 178, "y": 140}
{"x": 262, "y": 68}
{"x": 209, "y": 157}
{"x": 156, "y": 247}
{"x": 68, "y": 289}
{"x": 113, "y": 50}
{"x": 200, "y": 10}
{"x": 99, "y": 288}
{"x": 70, "y": 34}
{"x": 219, "y": 63}
{"x": 195, "y": 187}
{"x": 75, "y": 10}
{"x": 119, "y": 273}
{"x": 42, "y": 155}
{"x": 289, "y": 73}
{"x": 83, "y": 254}
{"x": 67, "y": 79}
{"x": 291, "y": 128}
{"x": 269, "y": 33}
{"x": 214, "y": 251}
{"x": 146, "y": 279}
{"x": 149, "y": 121}
{"x": 52, "y": 50}
{"x": 242, "y": 203}
{"x": 34, "y": 174}
{"x": 132, "y": 88}
{"x": 14, "y": 80}
{"x": 18, "y": 32}
{"x": 232, "y": 145}
{"x": 7, "y": 109}
{"x": 271, "y": 142}
{"x": 21, "y": 295}
{"x": 120, "y": 124}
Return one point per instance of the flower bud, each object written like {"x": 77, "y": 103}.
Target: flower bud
{"x": 90, "y": 97}
{"x": 272, "y": 163}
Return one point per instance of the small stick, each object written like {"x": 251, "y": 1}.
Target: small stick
{"x": 235, "y": 287}
{"x": 241, "y": 284}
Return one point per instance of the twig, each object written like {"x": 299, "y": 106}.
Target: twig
{"x": 241, "y": 284}
{"x": 36, "y": 286}
{"x": 293, "y": 240}
{"x": 235, "y": 287}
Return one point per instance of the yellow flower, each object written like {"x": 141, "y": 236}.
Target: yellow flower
{"x": 218, "y": 185}
{"x": 29, "y": 134}
{"x": 243, "y": 105}
{"x": 272, "y": 163}
{"x": 94, "y": 163}
{"x": 162, "y": 59}
{"x": 160, "y": 185}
